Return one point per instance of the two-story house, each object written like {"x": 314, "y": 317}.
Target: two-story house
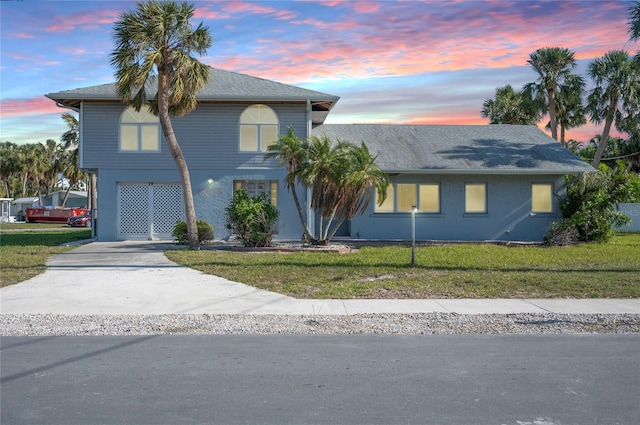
{"x": 494, "y": 182}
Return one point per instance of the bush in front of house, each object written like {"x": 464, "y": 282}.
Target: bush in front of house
{"x": 252, "y": 220}
{"x": 589, "y": 205}
{"x": 205, "y": 232}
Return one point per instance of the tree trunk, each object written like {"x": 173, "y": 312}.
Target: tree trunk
{"x": 66, "y": 196}
{"x": 603, "y": 141}
{"x": 303, "y": 220}
{"x": 178, "y": 157}
{"x": 552, "y": 114}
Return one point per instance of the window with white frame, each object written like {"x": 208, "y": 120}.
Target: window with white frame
{"x": 475, "y": 198}
{"x": 139, "y": 131}
{"x": 258, "y": 128}
{"x": 259, "y": 187}
{"x": 541, "y": 197}
{"x": 401, "y": 197}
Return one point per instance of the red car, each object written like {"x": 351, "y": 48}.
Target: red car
{"x": 83, "y": 220}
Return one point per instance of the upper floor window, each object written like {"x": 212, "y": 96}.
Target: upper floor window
{"x": 402, "y": 197}
{"x": 139, "y": 131}
{"x": 542, "y": 197}
{"x": 258, "y": 128}
{"x": 475, "y": 198}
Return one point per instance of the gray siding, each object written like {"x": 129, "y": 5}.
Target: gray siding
{"x": 211, "y": 198}
{"x": 208, "y": 137}
{"x": 509, "y": 214}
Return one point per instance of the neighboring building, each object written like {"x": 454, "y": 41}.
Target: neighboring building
{"x": 19, "y": 206}
{"x": 76, "y": 199}
{"x": 469, "y": 182}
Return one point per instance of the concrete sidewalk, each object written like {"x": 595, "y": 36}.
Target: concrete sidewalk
{"x": 136, "y": 278}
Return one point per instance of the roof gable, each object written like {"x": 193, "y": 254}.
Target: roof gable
{"x": 486, "y": 149}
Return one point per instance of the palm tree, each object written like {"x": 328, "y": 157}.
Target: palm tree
{"x": 634, "y": 26}
{"x": 569, "y": 108}
{"x": 71, "y": 140}
{"x": 291, "y": 151}
{"x": 511, "y": 107}
{"x": 553, "y": 65}
{"x": 157, "y": 40}
{"x": 71, "y": 172}
{"x": 616, "y": 94}
{"x": 9, "y": 165}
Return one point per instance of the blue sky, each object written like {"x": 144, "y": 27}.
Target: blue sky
{"x": 418, "y": 62}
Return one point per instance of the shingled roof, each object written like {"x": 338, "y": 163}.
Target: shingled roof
{"x": 460, "y": 149}
{"x": 222, "y": 86}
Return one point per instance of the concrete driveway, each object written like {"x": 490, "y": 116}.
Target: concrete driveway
{"x": 137, "y": 278}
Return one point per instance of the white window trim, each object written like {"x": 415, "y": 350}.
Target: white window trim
{"x": 261, "y": 145}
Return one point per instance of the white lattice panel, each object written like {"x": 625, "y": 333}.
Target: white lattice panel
{"x": 148, "y": 211}
{"x": 167, "y": 209}
{"x": 133, "y": 211}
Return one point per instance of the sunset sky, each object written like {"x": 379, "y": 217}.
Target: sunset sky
{"x": 412, "y": 62}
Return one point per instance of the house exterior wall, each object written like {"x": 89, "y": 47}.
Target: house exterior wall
{"x": 209, "y": 139}
{"x": 509, "y": 214}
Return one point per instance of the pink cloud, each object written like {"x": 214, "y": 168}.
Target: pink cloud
{"x": 25, "y": 35}
{"x": 30, "y": 106}
{"x": 85, "y": 20}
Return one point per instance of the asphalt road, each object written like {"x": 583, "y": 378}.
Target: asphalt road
{"x": 457, "y": 379}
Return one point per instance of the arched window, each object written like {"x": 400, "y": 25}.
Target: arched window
{"x": 139, "y": 131}
{"x": 258, "y": 128}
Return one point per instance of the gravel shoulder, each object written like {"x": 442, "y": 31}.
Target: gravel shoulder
{"x": 394, "y": 324}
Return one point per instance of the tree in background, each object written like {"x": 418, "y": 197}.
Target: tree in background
{"x": 511, "y": 107}
{"x": 154, "y": 45}
{"x": 71, "y": 141}
{"x": 634, "y": 26}
{"x": 570, "y": 111}
{"x": 615, "y": 96}
{"x": 554, "y": 66}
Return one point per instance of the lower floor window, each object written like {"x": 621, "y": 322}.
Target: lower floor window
{"x": 475, "y": 198}
{"x": 542, "y": 197}
{"x": 402, "y": 197}
{"x": 259, "y": 187}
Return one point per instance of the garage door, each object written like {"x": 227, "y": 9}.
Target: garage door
{"x": 148, "y": 211}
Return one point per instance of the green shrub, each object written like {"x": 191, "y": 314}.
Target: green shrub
{"x": 205, "y": 232}
{"x": 253, "y": 220}
{"x": 589, "y": 204}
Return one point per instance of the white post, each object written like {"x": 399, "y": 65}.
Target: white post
{"x": 413, "y": 235}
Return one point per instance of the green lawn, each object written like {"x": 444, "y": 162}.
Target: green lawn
{"x": 23, "y": 255}
{"x": 443, "y": 271}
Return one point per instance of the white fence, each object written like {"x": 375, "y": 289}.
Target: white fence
{"x": 633, "y": 212}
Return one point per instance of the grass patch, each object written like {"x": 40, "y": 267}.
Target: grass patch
{"x": 443, "y": 271}
{"x": 32, "y": 226}
{"x": 23, "y": 255}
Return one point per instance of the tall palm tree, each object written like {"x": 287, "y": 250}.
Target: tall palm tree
{"x": 154, "y": 45}
{"x": 616, "y": 94}
{"x": 511, "y": 107}
{"x": 291, "y": 151}
{"x": 634, "y": 26}
{"x": 554, "y": 66}
{"x": 569, "y": 108}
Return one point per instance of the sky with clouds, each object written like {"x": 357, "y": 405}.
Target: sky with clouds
{"x": 412, "y": 62}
